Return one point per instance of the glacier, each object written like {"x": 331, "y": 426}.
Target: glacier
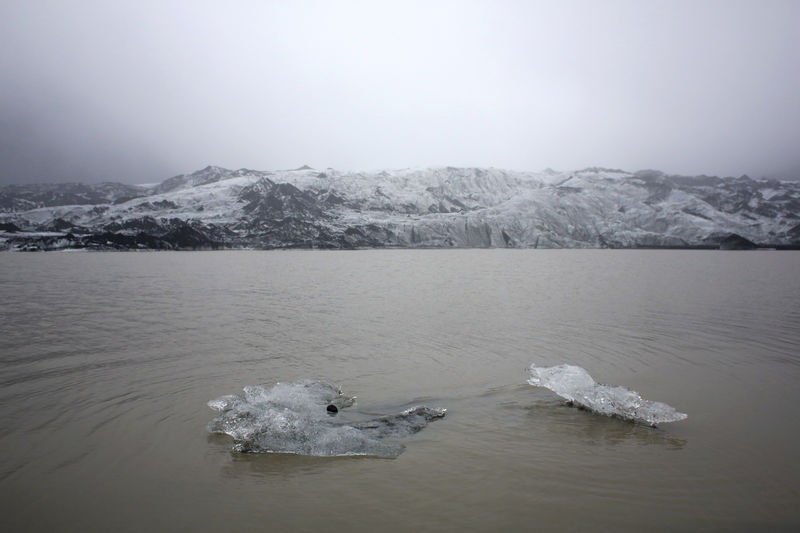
{"x": 307, "y": 418}
{"x": 576, "y": 386}
{"x": 437, "y": 207}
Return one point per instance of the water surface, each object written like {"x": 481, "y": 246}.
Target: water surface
{"x": 109, "y": 359}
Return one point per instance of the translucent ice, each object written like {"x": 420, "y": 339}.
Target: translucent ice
{"x": 296, "y": 418}
{"x": 577, "y": 387}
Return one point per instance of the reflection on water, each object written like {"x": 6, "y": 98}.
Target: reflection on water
{"x": 564, "y": 422}
{"x": 108, "y": 361}
{"x": 520, "y": 409}
{"x": 284, "y": 465}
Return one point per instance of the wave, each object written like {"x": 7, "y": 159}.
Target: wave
{"x": 303, "y": 418}
{"x": 577, "y": 387}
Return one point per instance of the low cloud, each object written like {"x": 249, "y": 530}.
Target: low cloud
{"x": 140, "y": 92}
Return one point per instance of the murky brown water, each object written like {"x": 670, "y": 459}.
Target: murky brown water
{"x": 108, "y": 360}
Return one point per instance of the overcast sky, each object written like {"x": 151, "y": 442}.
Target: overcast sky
{"x": 138, "y": 91}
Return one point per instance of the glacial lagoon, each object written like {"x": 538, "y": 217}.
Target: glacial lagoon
{"x": 110, "y": 360}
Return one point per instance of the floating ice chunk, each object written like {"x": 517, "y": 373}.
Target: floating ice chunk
{"x": 405, "y": 423}
{"x": 577, "y": 387}
{"x": 298, "y": 418}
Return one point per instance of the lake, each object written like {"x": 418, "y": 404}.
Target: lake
{"x": 109, "y": 361}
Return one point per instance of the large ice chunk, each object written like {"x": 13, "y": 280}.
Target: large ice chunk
{"x": 577, "y": 387}
{"x": 299, "y": 418}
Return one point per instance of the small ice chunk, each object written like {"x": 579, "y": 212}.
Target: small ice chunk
{"x": 577, "y": 387}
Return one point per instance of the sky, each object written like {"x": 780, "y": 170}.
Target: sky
{"x": 138, "y": 91}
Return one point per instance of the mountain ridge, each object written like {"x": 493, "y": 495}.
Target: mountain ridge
{"x": 436, "y": 207}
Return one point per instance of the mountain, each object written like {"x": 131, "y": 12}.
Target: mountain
{"x": 432, "y": 207}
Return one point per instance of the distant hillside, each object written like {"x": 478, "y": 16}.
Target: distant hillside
{"x": 431, "y": 207}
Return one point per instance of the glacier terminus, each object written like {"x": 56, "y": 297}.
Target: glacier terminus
{"x": 444, "y": 207}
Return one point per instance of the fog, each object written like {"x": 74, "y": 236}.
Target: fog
{"x": 140, "y": 91}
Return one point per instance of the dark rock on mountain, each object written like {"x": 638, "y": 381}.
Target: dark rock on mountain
{"x": 143, "y": 224}
{"x": 736, "y": 242}
{"x": 59, "y": 224}
{"x": 266, "y": 200}
{"x": 184, "y": 236}
{"x": 24, "y": 197}
{"x": 8, "y": 227}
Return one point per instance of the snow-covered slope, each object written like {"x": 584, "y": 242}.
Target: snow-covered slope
{"x": 430, "y": 207}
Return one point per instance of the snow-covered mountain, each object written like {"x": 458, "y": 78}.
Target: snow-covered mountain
{"x": 432, "y": 207}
